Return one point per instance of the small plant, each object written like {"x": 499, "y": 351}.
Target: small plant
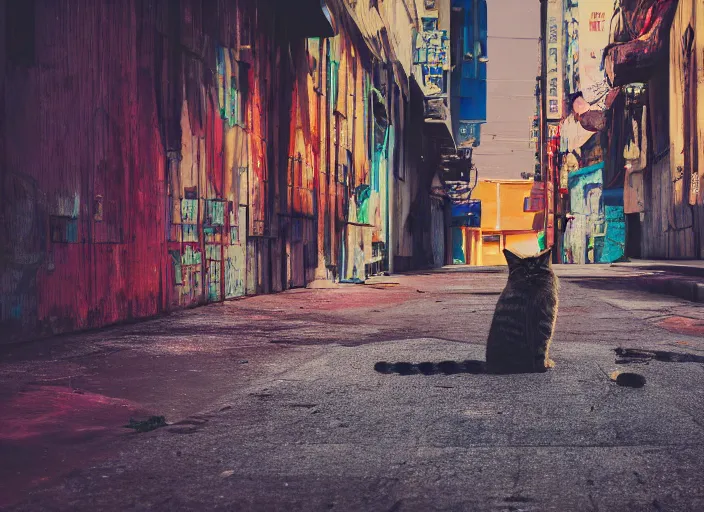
{"x": 153, "y": 423}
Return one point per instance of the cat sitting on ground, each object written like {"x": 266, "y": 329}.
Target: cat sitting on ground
{"x": 524, "y": 319}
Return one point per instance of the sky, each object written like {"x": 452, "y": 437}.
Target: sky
{"x": 513, "y": 30}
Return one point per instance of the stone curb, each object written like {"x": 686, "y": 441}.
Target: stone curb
{"x": 674, "y": 268}
{"x": 679, "y": 287}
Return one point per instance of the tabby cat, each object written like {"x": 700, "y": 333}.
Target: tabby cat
{"x": 524, "y": 320}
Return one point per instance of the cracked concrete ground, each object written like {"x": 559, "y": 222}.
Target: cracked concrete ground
{"x": 274, "y": 404}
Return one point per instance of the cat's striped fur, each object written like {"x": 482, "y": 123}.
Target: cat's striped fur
{"x": 524, "y": 320}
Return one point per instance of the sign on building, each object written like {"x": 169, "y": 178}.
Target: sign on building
{"x": 553, "y": 52}
{"x": 594, "y": 26}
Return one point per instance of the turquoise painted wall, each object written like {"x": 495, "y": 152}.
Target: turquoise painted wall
{"x": 598, "y": 232}
{"x": 458, "y": 255}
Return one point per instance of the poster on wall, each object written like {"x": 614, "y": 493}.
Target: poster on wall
{"x": 553, "y": 50}
{"x": 594, "y": 27}
{"x": 432, "y": 55}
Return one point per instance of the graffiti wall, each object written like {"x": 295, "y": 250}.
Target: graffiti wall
{"x": 199, "y": 151}
{"x": 597, "y": 232}
{"x": 150, "y": 132}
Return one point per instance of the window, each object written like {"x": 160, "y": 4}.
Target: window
{"x": 214, "y": 219}
{"x": 63, "y": 229}
{"x": 430, "y": 24}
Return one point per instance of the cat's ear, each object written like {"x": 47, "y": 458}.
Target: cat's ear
{"x": 545, "y": 257}
{"x": 511, "y": 258}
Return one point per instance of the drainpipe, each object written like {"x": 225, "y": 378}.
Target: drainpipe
{"x": 543, "y": 113}
{"x": 390, "y": 204}
{"x": 555, "y": 210}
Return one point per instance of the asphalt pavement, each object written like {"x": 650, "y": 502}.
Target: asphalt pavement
{"x": 302, "y": 401}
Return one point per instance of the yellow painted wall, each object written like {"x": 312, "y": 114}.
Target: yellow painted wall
{"x": 485, "y": 191}
{"x": 523, "y": 243}
{"x": 508, "y": 206}
{"x": 511, "y": 208}
{"x": 492, "y": 254}
{"x": 502, "y": 214}
{"x": 480, "y": 252}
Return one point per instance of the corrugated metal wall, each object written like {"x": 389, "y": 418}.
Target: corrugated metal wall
{"x": 137, "y": 176}
{"x": 85, "y": 169}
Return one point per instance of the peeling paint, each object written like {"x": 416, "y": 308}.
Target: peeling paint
{"x": 197, "y": 154}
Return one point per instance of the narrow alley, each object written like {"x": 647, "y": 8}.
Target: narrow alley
{"x": 253, "y": 255}
{"x": 282, "y": 402}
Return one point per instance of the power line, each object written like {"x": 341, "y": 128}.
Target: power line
{"x": 506, "y": 153}
{"x": 512, "y": 96}
{"x": 504, "y": 136}
{"x": 486, "y": 141}
{"x": 515, "y": 38}
{"x": 531, "y": 80}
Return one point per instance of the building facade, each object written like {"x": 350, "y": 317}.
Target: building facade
{"x": 158, "y": 155}
{"x": 505, "y": 219}
{"x": 620, "y": 128}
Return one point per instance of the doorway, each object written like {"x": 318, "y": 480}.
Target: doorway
{"x": 633, "y": 235}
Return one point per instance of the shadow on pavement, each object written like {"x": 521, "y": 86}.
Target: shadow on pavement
{"x": 605, "y": 282}
{"x": 428, "y": 368}
{"x": 470, "y": 366}
{"x": 631, "y": 355}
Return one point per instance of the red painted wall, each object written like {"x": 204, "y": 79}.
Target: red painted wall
{"x": 84, "y": 172}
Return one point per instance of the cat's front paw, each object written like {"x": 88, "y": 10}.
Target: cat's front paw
{"x": 549, "y": 363}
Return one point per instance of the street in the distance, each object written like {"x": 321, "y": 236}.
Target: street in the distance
{"x": 298, "y": 255}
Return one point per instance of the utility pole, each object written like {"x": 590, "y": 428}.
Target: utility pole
{"x": 543, "y": 117}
